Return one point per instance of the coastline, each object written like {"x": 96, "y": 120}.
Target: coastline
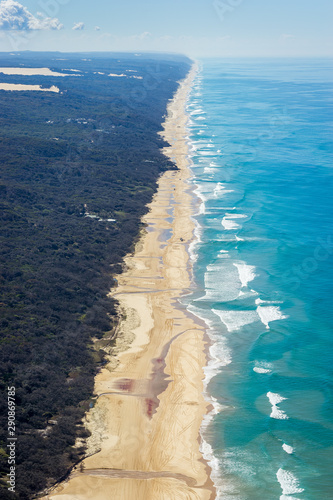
{"x": 145, "y": 425}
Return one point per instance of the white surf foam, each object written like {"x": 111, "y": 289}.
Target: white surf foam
{"x": 220, "y": 356}
{"x": 230, "y": 224}
{"x": 289, "y": 484}
{"x": 246, "y": 273}
{"x": 223, "y": 254}
{"x": 202, "y": 143}
{"x": 235, "y": 320}
{"x": 209, "y": 170}
{"x": 192, "y": 249}
{"x": 236, "y": 216}
{"x": 261, "y": 370}
{"x": 198, "y": 111}
{"x": 205, "y": 190}
{"x": 267, "y": 314}
{"x": 205, "y": 152}
{"x": 220, "y": 190}
{"x": 260, "y": 301}
{"x": 209, "y": 457}
{"x": 228, "y": 221}
{"x": 276, "y": 413}
{"x": 252, "y": 238}
{"x": 288, "y": 449}
{"x": 221, "y": 282}
{"x": 202, "y": 198}
{"x": 263, "y": 367}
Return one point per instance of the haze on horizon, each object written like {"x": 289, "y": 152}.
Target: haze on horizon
{"x": 197, "y": 28}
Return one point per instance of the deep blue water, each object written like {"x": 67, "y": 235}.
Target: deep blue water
{"x": 262, "y": 144}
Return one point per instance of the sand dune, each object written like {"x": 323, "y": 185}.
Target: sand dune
{"x": 33, "y": 71}
{"x": 17, "y": 86}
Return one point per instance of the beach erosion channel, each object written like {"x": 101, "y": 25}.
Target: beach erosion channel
{"x": 145, "y": 424}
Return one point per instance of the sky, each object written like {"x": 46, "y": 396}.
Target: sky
{"x": 197, "y": 28}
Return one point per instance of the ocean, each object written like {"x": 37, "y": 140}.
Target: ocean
{"x": 261, "y": 143}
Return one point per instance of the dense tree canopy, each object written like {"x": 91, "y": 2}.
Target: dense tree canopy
{"x": 77, "y": 170}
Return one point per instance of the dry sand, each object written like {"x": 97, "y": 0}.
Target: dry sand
{"x": 32, "y": 71}
{"x": 145, "y": 423}
{"x": 17, "y": 86}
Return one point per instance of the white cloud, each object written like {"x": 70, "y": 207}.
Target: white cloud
{"x": 223, "y": 38}
{"x": 144, "y": 36}
{"x": 97, "y": 28}
{"x": 285, "y": 36}
{"x": 166, "y": 38}
{"x": 78, "y": 26}
{"x": 14, "y": 16}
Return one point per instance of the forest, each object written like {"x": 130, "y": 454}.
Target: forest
{"x": 77, "y": 169}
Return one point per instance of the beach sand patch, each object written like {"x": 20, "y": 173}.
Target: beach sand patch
{"x": 33, "y": 72}
{"x": 17, "y": 86}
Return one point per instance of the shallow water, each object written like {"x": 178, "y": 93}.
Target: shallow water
{"x": 261, "y": 145}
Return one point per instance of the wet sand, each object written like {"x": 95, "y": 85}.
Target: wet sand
{"x": 145, "y": 423}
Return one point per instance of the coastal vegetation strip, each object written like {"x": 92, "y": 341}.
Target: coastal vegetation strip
{"x": 63, "y": 155}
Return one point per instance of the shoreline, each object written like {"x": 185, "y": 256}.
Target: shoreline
{"x": 145, "y": 426}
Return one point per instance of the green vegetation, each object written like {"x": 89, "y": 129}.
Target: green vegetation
{"x": 70, "y": 163}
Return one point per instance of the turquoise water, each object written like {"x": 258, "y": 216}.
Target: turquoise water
{"x": 261, "y": 144}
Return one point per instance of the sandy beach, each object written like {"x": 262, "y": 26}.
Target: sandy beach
{"x": 145, "y": 423}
